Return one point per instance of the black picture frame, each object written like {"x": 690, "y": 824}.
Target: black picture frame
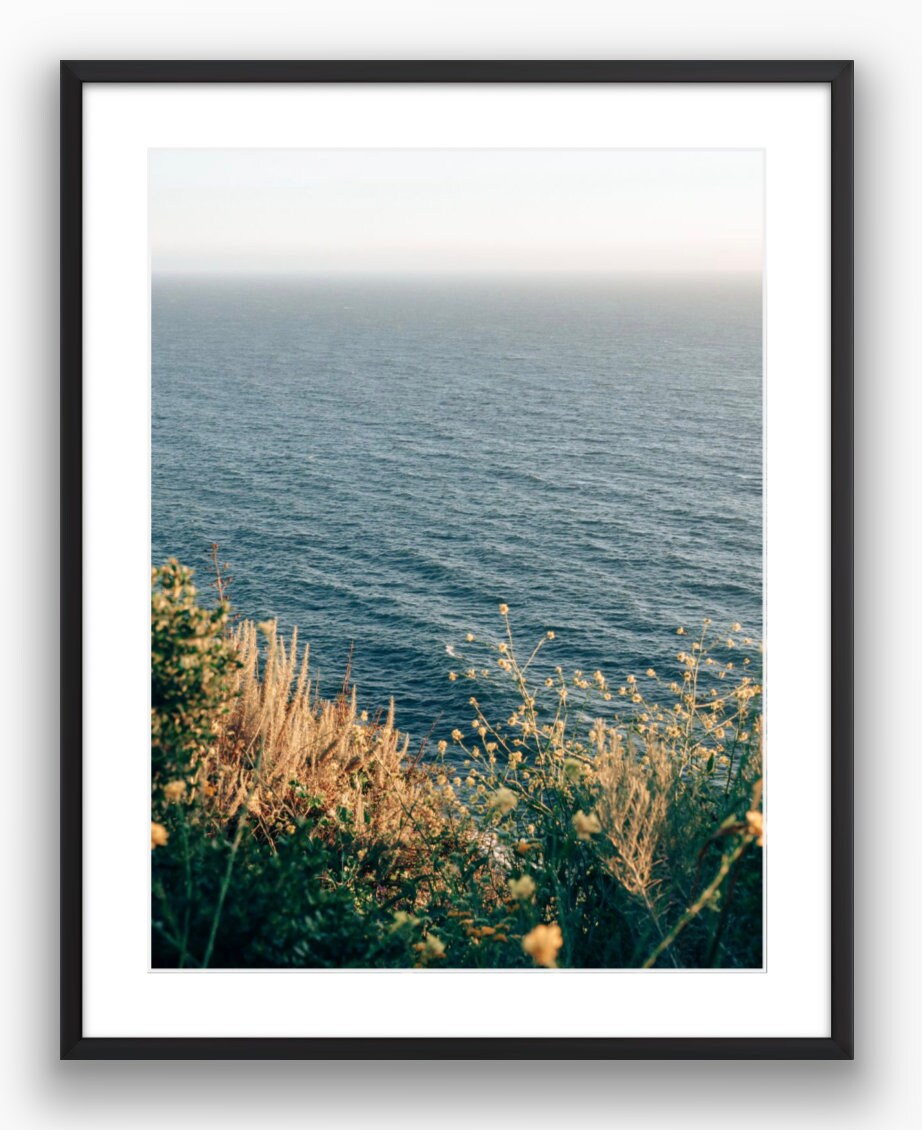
{"x": 839, "y": 75}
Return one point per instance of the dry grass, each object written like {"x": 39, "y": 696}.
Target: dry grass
{"x": 284, "y": 755}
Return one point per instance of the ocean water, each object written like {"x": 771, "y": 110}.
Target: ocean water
{"x": 383, "y": 461}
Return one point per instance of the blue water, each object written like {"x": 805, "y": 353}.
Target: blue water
{"x": 384, "y": 460}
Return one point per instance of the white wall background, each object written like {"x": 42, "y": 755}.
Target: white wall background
{"x": 882, "y": 1086}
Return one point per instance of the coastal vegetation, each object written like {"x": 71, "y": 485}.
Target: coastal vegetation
{"x": 586, "y": 824}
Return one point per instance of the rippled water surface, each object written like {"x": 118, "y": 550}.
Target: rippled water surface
{"x": 383, "y": 461}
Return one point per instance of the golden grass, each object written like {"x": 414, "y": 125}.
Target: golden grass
{"x": 284, "y": 755}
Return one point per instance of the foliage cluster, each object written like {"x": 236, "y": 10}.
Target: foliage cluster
{"x": 594, "y": 826}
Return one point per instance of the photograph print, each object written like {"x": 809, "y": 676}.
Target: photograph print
{"x": 457, "y": 559}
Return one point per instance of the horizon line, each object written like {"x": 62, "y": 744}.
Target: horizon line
{"x": 454, "y": 272}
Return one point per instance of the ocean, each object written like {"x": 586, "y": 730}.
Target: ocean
{"x": 383, "y": 461}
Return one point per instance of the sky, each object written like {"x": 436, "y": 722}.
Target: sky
{"x": 455, "y": 210}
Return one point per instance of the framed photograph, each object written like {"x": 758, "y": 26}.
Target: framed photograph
{"x": 456, "y": 560}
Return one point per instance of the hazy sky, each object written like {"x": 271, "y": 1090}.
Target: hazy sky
{"x": 321, "y": 210}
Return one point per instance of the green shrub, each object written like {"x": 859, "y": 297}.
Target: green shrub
{"x": 191, "y": 662}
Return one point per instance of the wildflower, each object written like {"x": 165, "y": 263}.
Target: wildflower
{"x": 443, "y": 745}
{"x": 543, "y": 943}
{"x": 651, "y": 674}
{"x": 680, "y": 631}
{"x": 636, "y": 698}
{"x": 433, "y": 947}
{"x": 550, "y": 635}
{"x": 736, "y": 627}
{"x": 503, "y": 648}
{"x": 586, "y": 825}
{"x": 290, "y": 829}
{"x": 754, "y": 827}
{"x": 548, "y": 682}
{"x": 456, "y": 735}
{"x": 522, "y": 888}
{"x": 470, "y": 673}
{"x": 174, "y": 792}
{"x": 469, "y": 637}
{"x": 402, "y": 918}
{"x": 452, "y": 675}
{"x": 502, "y": 801}
{"x": 504, "y": 610}
{"x": 158, "y": 835}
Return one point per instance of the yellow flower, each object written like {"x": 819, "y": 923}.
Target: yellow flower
{"x": 174, "y": 792}
{"x": 550, "y": 635}
{"x": 522, "y": 888}
{"x": 158, "y": 835}
{"x": 291, "y": 829}
{"x": 754, "y": 827}
{"x": 586, "y": 825}
{"x": 504, "y": 610}
{"x": 456, "y": 735}
{"x": 443, "y": 745}
{"x": 680, "y": 631}
{"x": 469, "y": 637}
{"x": 651, "y": 674}
{"x": 502, "y": 801}
{"x": 433, "y": 947}
{"x": 737, "y": 627}
{"x": 543, "y": 944}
